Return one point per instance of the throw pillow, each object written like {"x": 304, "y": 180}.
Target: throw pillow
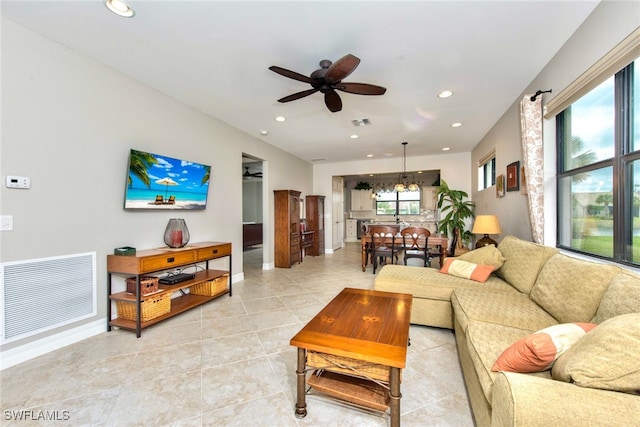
{"x": 606, "y": 358}
{"x": 621, "y": 297}
{"x": 486, "y": 255}
{"x": 467, "y": 270}
{"x": 538, "y": 351}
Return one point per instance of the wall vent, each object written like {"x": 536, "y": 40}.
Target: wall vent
{"x": 46, "y": 293}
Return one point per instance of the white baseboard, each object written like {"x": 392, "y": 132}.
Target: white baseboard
{"x": 50, "y": 343}
{"x": 237, "y": 277}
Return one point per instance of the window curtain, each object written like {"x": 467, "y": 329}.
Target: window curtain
{"x": 532, "y": 153}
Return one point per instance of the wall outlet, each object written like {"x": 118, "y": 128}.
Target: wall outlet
{"x": 6, "y": 222}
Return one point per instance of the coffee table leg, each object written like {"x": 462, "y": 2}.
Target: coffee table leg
{"x": 395, "y": 395}
{"x": 301, "y": 404}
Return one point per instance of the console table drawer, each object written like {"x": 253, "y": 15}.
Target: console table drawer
{"x": 169, "y": 260}
{"x": 204, "y": 254}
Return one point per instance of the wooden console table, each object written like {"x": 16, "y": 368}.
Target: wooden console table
{"x": 440, "y": 242}
{"x": 147, "y": 262}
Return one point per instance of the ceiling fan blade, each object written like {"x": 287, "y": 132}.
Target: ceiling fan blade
{"x": 298, "y": 95}
{"x": 291, "y": 74}
{"x": 361, "y": 88}
{"x": 342, "y": 68}
{"x": 332, "y": 101}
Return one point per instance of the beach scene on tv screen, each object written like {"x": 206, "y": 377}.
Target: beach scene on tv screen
{"x": 160, "y": 182}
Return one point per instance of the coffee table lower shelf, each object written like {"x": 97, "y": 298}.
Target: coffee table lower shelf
{"x": 358, "y": 391}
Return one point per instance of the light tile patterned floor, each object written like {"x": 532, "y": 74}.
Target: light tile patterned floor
{"x": 229, "y": 363}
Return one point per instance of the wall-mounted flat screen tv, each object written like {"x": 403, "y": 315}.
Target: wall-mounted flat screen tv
{"x": 160, "y": 182}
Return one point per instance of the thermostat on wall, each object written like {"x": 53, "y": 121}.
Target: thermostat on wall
{"x": 18, "y": 181}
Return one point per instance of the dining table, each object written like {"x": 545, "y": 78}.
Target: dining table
{"x": 437, "y": 242}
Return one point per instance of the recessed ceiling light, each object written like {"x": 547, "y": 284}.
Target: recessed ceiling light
{"x": 280, "y": 119}
{"x": 354, "y": 136}
{"x": 369, "y": 155}
{"x": 456, "y": 125}
{"x": 446, "y": 149}
{"x": 264, "y": 132}
{"x": 445, "y": 94}
{"x": 120, "y": 8}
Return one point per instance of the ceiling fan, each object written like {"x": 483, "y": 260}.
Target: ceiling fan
{"x": 249, "y": 175}
{"x": 328, "y": 79}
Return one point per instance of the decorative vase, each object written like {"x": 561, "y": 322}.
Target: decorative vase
{"x": 176, "y": 234}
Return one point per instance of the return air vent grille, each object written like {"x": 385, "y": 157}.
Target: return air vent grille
{"x": 42, "y": 294}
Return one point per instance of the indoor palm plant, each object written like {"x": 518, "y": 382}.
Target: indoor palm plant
{"x": 454, "y": 208}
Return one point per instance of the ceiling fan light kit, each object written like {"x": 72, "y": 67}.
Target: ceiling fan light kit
{"x": 327, "y": 79}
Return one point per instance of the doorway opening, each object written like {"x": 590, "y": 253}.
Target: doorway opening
{"x": 253, "y": 230}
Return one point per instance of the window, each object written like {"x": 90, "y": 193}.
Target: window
{"x": 599, "y": 170}
{"x": 487, "y": 171}
{"x": 394, "y": 203}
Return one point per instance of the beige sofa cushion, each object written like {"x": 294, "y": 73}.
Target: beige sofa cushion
{"x": 523, "y": 261}
{"x": 621, "y": 297}
{"x": 570, "y": 289}
{"x": 486, "y": 255}
{"x": 485, "y": 342}
{"x": 428, "y": 282}
{"x": 606, "y": 357}
{"x": 504, "y": 308}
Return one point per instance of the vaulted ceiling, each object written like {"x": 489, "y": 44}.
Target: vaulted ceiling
{"x": 215, "y": 55}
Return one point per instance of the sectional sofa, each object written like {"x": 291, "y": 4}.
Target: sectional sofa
{"x": 543, "y": 338}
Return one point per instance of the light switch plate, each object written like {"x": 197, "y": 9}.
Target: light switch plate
{"x": 6, "y": 222}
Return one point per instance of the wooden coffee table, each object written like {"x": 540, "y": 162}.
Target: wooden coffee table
{"x": 357, "y": 346}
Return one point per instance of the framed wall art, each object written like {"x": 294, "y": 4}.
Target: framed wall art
{"x": 500, "y": 185}
{"x": 513, "y": 176}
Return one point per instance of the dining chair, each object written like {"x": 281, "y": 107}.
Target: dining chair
{"x": 384, "y": 244}
{"x": 415, "y": 241}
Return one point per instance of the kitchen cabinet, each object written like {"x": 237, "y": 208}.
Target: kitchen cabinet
{"x": 352, "y": 230}
{"x": 361, "y": 200}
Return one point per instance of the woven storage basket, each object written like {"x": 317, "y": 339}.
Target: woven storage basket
{"x": 151, "y": 307}
{"x": 210, "y": 287}
{"x": 345, "y": 365}
{"x": 148, "y": 284}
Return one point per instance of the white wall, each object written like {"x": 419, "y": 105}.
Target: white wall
{"x": 252, "y": 201}
{"x": 454, "y": 168}
{"x": 69, "y": 122}
{"x": 609, "y": 24}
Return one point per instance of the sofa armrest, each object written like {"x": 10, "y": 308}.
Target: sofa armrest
{"x": 520, "y": 399}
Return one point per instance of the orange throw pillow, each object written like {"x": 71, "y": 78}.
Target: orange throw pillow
{"x": 538, "y": 351}
{"x": 467, "y": 270}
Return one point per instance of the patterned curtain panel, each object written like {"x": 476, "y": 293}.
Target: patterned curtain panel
{"x": 532, "y": 153}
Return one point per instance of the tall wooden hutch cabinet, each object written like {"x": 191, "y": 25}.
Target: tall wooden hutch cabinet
{"x": 314, "y": 206}
{"x": 287, "y": 227}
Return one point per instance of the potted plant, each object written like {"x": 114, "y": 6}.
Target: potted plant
{"x": 362, "y": 186}
{"x": 455, "y": 207}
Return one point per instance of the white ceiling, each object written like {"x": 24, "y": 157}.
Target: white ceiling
{"x": 215, "y": 56}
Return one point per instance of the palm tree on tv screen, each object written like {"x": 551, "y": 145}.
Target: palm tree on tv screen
{"x": 139, "y": 163}
{"x": 206, "y": 176}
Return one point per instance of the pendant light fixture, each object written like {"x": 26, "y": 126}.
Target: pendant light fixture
{"x": 403, "y": 183}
